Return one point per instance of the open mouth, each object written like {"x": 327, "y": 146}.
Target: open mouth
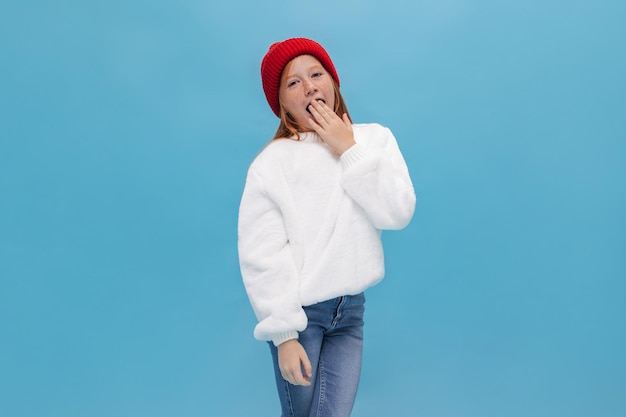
{"x": 319, "y": 99}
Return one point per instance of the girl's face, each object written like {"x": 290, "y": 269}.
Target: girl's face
{"x": 304, "y": 80}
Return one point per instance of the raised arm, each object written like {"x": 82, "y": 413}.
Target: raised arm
{"x": 377, "y": 178}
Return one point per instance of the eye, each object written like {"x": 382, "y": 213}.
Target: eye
{"x": 317, "y": 74}
{"x": 292, "y": 83}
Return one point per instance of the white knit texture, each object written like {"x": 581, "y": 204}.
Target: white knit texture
{"x": 310, "y": 223}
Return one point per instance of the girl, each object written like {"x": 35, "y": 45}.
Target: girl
{"x": 315, "y": 202}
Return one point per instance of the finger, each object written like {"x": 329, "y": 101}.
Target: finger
{"x": 346, "y": 119}
{"x": 301, "y": 380}
{"x": 315, "y": 118}
{"x": 314, "y": 125}
{"x": 294, "y": 378}
{"x": 322, "y": 109}
{"x": 322, "y": 105}
{"x": 316, "y": 111}
{"x": 306, "y": 365}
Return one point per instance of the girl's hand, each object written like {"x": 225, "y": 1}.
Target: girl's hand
{"x": 292, "y": 360}
{"x": 335, "y": 132}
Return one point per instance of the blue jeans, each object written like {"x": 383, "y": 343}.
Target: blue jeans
{"x": 333, "y": 340}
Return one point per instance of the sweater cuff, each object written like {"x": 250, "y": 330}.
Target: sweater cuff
{"x": 283, "y": 337}
{"x": 353, "y": 155}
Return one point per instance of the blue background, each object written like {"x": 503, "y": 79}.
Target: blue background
{"x": 126, "y": 128}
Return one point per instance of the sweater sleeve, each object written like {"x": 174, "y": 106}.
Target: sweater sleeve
{"x": 267, "y": 265}
{"x": 377, "y": 178}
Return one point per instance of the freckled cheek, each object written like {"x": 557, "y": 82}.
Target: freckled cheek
{"x": 290, "y": 103}
{"x": 327, "y": 88}
{"x": 325, "y": 84}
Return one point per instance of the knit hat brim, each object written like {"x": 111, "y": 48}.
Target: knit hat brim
{"x": 278, "y": 56}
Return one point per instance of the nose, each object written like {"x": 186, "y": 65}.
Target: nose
{"x": 309, "y": 88}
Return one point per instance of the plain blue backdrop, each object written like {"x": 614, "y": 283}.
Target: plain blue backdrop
{"x": 126, "y": 128}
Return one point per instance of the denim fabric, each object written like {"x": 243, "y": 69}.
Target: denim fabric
{"x": 333, "y": 340}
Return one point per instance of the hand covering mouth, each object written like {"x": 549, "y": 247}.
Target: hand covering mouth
{"x": 318, "y": 99}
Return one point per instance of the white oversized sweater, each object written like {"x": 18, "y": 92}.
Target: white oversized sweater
{"x": 310, "y": 223}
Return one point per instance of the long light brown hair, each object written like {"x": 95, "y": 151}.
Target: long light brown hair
{"x": 288, "y": 127}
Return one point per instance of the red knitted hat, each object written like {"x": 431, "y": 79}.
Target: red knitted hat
{"x": 279, "y": 54}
